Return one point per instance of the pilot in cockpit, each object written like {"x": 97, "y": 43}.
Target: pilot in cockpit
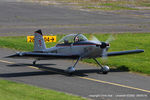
{"x": 76, "y": 39}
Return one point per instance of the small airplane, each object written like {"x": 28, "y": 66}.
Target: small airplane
{"x": 72, "y": 46}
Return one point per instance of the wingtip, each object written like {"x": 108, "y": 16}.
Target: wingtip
{"x": 140, "y": 50}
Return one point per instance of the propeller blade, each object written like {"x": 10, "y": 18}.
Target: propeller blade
{"x": 111, "y": 38}
{"x": 104, "y": 56}
{"x": 94, "y": 39}
{"x": 104, "y": 53}
{"x": 105, "y": 48}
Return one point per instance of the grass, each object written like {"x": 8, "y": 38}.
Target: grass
{"x": 17, "y": 91}
{"x": 104, "y": 4}
{"x": 113, "y": 7}
{"x": 136, "y": 63}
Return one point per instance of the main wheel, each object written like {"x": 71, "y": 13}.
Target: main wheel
{"x": 105, "y": 70}
{"x": 70, "y": 69}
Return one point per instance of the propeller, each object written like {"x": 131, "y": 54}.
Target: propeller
{"x": 94, "y": 39}
{"x": 110, "y": 39}
{"x": 104, "y": 51}
{"x": 104, "y": 45}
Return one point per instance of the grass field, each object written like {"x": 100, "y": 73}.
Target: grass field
{"x": 103, "y": 4}
{"x": 17, "y": 91}
{"x": 136, "y": 63}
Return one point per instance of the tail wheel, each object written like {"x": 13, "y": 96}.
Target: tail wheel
{"x": 34, "y": 62}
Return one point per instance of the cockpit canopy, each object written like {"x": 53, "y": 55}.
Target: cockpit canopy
{"x": 72, "y": 38}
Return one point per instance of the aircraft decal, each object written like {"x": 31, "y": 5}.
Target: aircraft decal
{"x": 40, "y": 43}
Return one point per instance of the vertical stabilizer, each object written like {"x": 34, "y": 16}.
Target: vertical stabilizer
{"x": 39, "y": 44}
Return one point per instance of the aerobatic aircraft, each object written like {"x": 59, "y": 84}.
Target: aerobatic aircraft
{"x": 72, "y": 46}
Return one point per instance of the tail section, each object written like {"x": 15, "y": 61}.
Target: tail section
{"x": 39, "y": 43}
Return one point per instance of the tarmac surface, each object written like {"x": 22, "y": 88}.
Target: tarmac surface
{"x": 17, "y": 18}
{"x": 23, "y": 18}
{"x": 86, "y": 81}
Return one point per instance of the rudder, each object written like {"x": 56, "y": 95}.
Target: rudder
{"x": 39, "y": 43}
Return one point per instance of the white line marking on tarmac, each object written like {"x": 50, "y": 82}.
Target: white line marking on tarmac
{"x": 90, "y": 79}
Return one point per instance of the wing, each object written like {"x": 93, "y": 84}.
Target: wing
{"x": 124, "y": 52}
{"x": 42, "y": 56}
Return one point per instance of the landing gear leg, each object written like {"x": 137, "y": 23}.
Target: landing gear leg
{"x": 71, "y": 69}
{"x": 105, "y": 69}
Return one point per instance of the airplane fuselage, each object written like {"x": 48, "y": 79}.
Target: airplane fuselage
{"x": 86, "y": 49}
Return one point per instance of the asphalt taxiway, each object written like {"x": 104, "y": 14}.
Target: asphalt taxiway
{"x": 20, "y": 18}
{"x": 86, "y": 81}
